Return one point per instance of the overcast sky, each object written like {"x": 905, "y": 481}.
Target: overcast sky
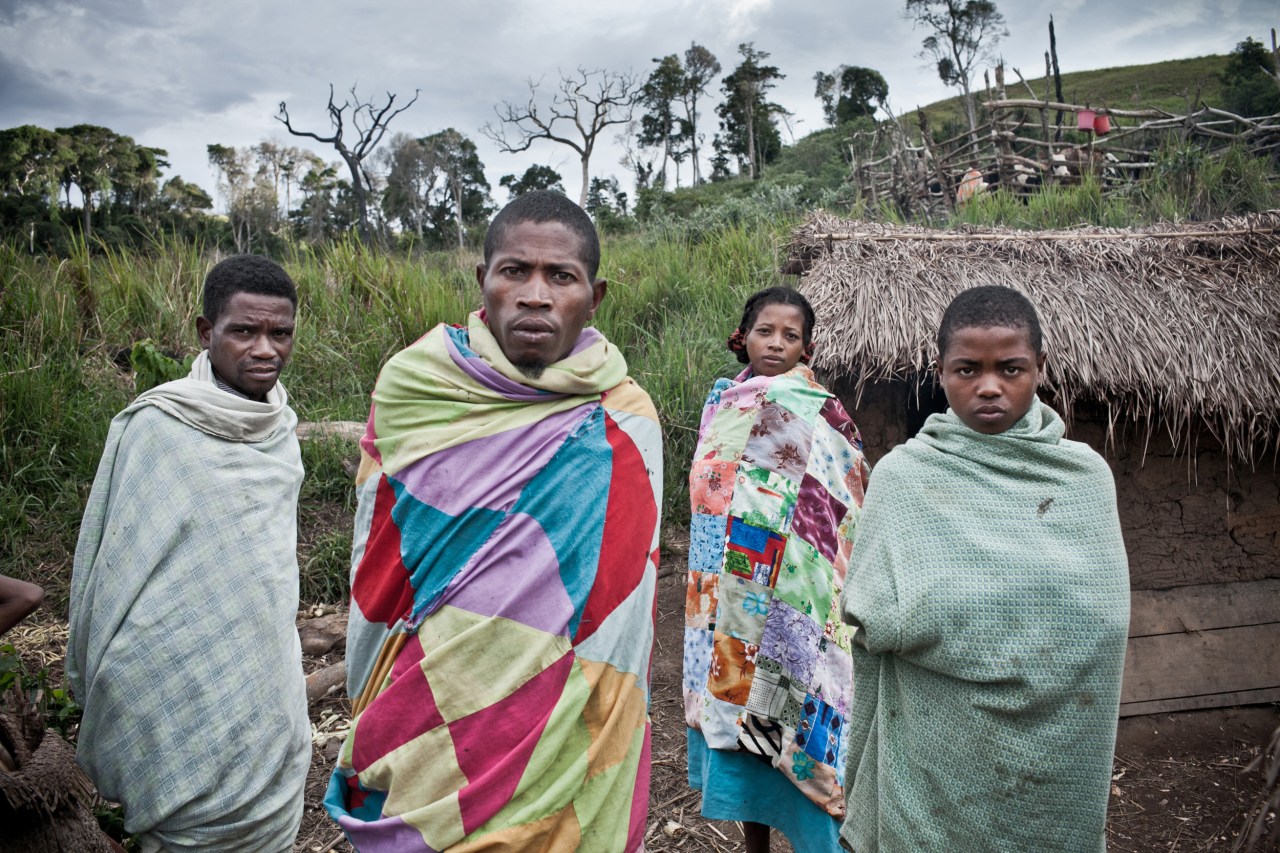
{"x": 179, "y": 75}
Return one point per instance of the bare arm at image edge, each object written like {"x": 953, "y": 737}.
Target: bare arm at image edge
{"x": 18, "y": 599}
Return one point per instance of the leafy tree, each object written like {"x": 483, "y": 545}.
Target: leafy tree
{"x": 412, "y": 175}
{"x": 465, "y": 189}
{"x": 32, "y": 160}
{"x": 961, "y": 35}
{"x": 282, "y": 163}
{"x": 719, "y": 160}
{"x": 748, "y": 127}
{"x": 370, "y": 124}
{"x": 137, "y": 189}
{"x": 118, "y": 180}
{"x": 607, "y": 204}
{"x": 659, "y": 126}
{"x": 319, "y": 186}
{"x": 180, "y": 197}
{"x": 1249, "y": 83}
{"x": 700, "y": 68}
{"x": 537, "y": 177}
{"x": 252, "y": 205}
{"x": 606, "y": 195}
{"x": 584, "y": 104}
{"x": 850, "y": 92}
{"x": 98, "y": 157}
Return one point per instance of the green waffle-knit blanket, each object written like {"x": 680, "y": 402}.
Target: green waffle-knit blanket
{"x": 990, "y": 587}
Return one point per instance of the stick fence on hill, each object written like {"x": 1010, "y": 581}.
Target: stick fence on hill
{"x": 1031, "y": 142}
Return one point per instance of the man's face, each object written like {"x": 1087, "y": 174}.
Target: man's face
{"x": 250, "y": 342}
{"x": 990, "y": 375}
{"x": 537, "y": 294}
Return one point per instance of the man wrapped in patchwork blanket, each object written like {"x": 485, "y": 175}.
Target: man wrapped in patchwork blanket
{"x": 504, "y": 570}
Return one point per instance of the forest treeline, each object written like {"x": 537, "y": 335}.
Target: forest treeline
{"x": 687, "y": 143}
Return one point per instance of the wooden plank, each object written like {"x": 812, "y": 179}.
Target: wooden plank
{"x": 1204, "y": 607}
{"x": 1202, "y": 663}
{"x": 1196, "y": 703}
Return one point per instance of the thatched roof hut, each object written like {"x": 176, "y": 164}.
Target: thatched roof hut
{"x": 1174, "y": 327}
{"x": 1164, "y": 354}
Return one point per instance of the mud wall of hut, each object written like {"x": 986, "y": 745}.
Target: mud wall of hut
{"x": 1187, "y": 518}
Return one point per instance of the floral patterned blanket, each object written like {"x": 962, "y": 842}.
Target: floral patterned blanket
{"x": 776, "y": 487}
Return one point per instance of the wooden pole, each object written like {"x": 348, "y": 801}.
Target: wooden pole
{"x": 939, "y": 174}
{"x": 1057, "y": 79}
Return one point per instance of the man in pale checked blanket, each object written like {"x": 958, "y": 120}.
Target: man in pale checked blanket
{"x": 183, "y": 649}
{"x": 504, "y": 569}
{"x": 990, "y": 590}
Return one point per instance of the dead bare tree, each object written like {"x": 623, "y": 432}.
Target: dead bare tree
{"x": 590, "y": 101}
{"x": 369, "y": 122}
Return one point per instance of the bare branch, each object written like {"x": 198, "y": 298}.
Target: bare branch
{"x": 590, "y": 101}
{"x": 370, "y": 124}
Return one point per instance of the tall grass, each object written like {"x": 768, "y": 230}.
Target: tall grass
{"x": 673, "y": 298}
{"x": 1186, "y": 183}
{"x": 676, "y": 291}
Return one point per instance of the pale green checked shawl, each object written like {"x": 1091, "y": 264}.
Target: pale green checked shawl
{"x": 991, "y": 590}
{"x": 183, "y": 649}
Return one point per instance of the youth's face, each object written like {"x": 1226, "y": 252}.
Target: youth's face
{"x": 776, "y": 341}
{"x": 990, "y": 375}
{"x": 537, "y": 293}
{"x": 250, "y": 342}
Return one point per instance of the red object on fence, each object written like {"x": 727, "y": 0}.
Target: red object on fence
{"x": 1084, "y": 119}
{"x": 1102, "y": 125}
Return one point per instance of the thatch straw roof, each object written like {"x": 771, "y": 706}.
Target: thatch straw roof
{"x": 1174, "y": 326}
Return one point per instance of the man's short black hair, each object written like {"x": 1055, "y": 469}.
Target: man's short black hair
{"x": 546, "y": 206}
{"x": 774, "y": 296}
{"x": 245, "y": 274}
{"x": 987, "y": 306}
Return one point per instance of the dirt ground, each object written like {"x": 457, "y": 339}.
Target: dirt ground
{"x": 1180, "y": 783}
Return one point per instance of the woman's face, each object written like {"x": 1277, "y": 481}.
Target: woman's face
{"x": 776, "y": 341}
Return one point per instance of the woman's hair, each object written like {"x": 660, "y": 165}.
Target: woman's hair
{"x": 755, "y": 304}
{"x": 991, "y": 305}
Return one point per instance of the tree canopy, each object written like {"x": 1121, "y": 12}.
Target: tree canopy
{"x": 961, "y": 35}
{"x": 748, "y": 123}
{"x": 1250, "y": 83}
{"x": 850, "y": 92}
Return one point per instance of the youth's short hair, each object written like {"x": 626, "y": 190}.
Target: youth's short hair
{"x": 245, "y": 274}
{"x": 772, "y": 296}
{"x": 987, "y": 306}
{"x": 546, "y": 206}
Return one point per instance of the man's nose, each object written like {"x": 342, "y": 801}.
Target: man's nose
{"x": 536, "y": 291}
{"x": 262, "y": 347}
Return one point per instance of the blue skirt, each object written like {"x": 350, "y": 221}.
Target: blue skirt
{"x": 739, "y": 786}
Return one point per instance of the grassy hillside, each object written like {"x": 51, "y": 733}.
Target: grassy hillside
{"x": 673, "y": 299}
{"x": 1171, "y": 86}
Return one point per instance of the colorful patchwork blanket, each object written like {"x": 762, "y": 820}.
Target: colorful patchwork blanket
{"x": 990, "y": 587}
{"x": 776, "y": 486}
{"x": 502, "y": 603}
{"x": 183, "y": 647}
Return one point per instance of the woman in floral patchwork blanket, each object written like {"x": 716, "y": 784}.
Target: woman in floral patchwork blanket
{"x": 776, "y": 487}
